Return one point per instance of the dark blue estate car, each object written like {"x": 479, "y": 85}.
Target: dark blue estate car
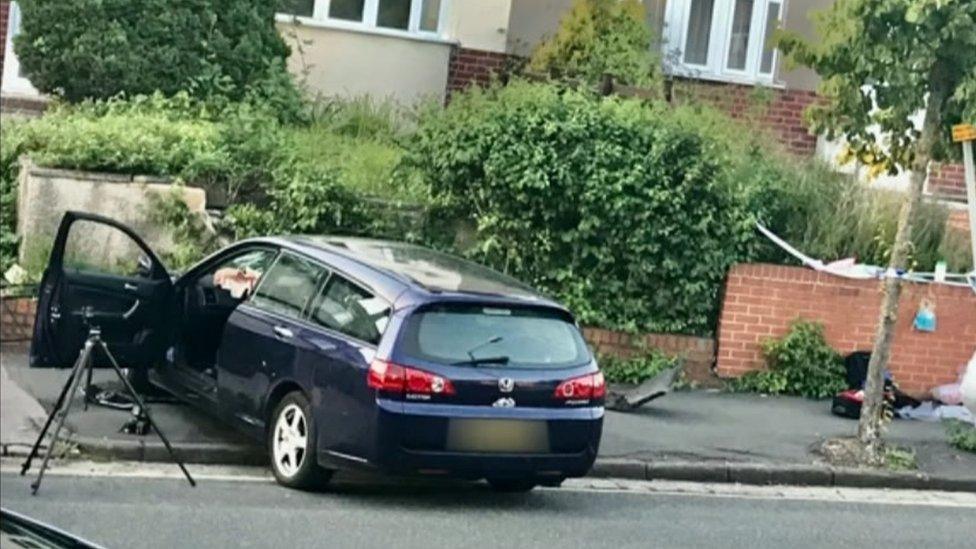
{"x": 339, "y": 352}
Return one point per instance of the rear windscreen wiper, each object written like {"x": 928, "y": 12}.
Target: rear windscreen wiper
{"x": 480, "y": 361}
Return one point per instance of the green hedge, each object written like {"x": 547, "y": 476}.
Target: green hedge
{"x": 98, "y": 49}
{"x": 11, "y": 146}
{"x": 609, "y": 205}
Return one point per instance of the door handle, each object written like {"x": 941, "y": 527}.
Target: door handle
{"x": 130, "y": 286}
{"x": 283, "y": 333}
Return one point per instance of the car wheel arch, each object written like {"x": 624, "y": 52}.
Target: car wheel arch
{"x": 277, "y": 393}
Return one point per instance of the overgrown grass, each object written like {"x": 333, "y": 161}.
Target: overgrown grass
{"x": 367, "y": 165}
{"x": 825, "y": 214}
{"x": 897, "y": 458}
{"x": 961, "y": 435}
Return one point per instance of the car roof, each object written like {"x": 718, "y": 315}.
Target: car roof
{"x": 419, "y": 267}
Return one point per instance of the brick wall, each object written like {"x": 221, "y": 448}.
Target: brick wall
{"x": 762, "y": 300}
{"x": 4, "y": 13}
{"x": 16, "y": 318}
{"x": 959, "y": 221}
{"x": 781, "y": 111}
{"x": 947, "y": 181}
{"x": 698, "y": 352}
{"x": 470, "y": 66}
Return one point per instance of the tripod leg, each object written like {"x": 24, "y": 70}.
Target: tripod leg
{"x": 145, "y": 410}
{"x": 88, "y": 380}
{"x": 50, "y": 417}
{"x": 84, "y": 362}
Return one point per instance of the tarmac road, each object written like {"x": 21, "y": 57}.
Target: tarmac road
{"x": 140, "y": 505}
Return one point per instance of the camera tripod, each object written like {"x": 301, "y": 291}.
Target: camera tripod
{"x": 83, "y": 368}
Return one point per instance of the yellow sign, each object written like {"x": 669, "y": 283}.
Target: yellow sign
{"x": 964, "y": 132}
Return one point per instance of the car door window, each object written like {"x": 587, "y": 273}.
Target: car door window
{"x": 240, "y": 274}
{"x": 100, "y": 249}
{"x": 347, "y": 308}
{"x": 288, "y": 286}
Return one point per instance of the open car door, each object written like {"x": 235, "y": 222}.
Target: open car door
{"x": 101, "y": 275}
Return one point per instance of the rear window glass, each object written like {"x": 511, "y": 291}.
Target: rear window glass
{"x": 527, "y": 337}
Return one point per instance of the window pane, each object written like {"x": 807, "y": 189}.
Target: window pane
{"x": 350, "y": 10}
{"x": 394, "y": 14}
{"x": 739, "y": 41}
{"x": 699, "y": 29}
{"x": 97, "y": 248}
{"x": 240, "y": 274}
{"x": 772, "y": 18}
{"x": 297, "y": 7}
{"x": 351, "y": 310}
{"x": 289, "y": 285}
{"x": 429, "y": 14}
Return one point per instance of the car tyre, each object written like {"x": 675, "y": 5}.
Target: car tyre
{"x": 292, "y": 443}
{"x": 511, "y": 485}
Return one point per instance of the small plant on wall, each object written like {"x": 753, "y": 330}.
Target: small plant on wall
{"x": 799, "y": 363}
{"x": 637, "y": 368}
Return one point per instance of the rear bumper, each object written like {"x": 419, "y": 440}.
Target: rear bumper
{"x": 412, "y": 438}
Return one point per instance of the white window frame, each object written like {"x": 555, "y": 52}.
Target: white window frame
{"x": 320, "y": 17}
{"x": 676, "y": 17}
{"x": 13, "y": 82}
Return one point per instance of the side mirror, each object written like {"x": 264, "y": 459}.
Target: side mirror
{"x": 145, "y": 269}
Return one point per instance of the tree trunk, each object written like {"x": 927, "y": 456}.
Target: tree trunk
{"x": 871, "y": 422}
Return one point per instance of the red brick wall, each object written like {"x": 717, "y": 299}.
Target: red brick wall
{"x": 762, "y": 300}
{"x": 4, "y": 13}
{"x": 947, "y": 181}
{"x": 781, "y": 111}
{"x": 698, "y": 352}
{"x": 959, "y": 221}
{"x": 470, "y": 66}
{"x": 16, "y": 318}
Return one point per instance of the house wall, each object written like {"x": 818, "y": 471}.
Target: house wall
{"x": 761, "y": 301}
{"x": 470, "y": 66}
{"x": 531, "y": 21}
{"x": 778, "y": 110}
{"x": 354, "y": 63}
{"x": 479, "y": 24}
{"x": 947, "y": 181}
{"x": 798, "y": 17}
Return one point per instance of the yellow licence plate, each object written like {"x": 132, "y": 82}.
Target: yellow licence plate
{"x": 498, "y": 436}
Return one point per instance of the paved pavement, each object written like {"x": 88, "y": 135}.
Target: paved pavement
{"x": 710, "y": 432}
{"x": 250, "y": 511}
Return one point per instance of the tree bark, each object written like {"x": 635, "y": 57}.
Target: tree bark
{"x": 871, "y": 423}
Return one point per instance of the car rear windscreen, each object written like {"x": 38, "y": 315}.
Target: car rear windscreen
{"x": 526, "y": 337}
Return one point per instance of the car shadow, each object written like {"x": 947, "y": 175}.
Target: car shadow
{"x": 449, "y": 495}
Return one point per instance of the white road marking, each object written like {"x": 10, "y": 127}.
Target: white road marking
{"x": 222, "y": 473}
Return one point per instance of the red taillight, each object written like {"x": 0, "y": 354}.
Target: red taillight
{"x": 386, "y": 376}
{"x": 582, "y": 388}
{"x": 390, "y": 377}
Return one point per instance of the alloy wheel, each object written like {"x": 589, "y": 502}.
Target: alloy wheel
{"x": 290, "y": 440}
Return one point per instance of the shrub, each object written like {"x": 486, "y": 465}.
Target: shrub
{"x": 637, "y": 368}
{"x": 607, "y": 204}
{"x": 301, "y": 198}
{"x": 101, "y": 48}
{"x": 800, "y": 363}
{"x": 598, "y": 37}
{"x": 11, "y": 146}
